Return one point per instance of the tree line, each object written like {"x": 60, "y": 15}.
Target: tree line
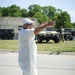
{"x": 42, "y": 13}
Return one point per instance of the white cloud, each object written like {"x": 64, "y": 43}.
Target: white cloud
{"x": 72, "y": 15}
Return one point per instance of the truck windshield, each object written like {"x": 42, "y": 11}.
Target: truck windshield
{"x": 49, "y": 29}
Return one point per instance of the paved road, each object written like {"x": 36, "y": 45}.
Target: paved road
{"x": 47, "y": 64}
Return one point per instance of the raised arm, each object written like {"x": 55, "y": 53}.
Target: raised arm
{"x": 43, "y": 26}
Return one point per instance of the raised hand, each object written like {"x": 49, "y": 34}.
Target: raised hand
{"x": 51, "y": 23}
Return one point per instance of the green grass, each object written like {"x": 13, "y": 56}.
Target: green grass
{"x": 67, "y": 46}
{"x": 8, "y": 45}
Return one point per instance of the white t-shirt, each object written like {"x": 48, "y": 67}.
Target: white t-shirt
{"x": 27, "y": 51}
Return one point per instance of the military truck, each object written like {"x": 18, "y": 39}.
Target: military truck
{"x": 6, "y": 34}
{"x": 48, "y": 34}
{"x": 69, "y": 33}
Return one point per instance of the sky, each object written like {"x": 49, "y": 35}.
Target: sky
{"x": 65, "y": 5}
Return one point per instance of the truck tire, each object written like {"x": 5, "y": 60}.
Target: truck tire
{"x": 67, "y": 37}
{"x": 71, "y": 38}
{"x": 56, "y": 40}
{"x": 39, "y": 39}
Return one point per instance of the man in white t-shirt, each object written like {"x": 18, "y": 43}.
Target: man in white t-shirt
{"x": 27, "y": 46}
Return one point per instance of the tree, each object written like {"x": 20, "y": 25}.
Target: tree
{"x": 33, "y": 9}
{"x": 0, "y": 11}
{"x": 49, "y": 11}
{"x": 6, "y": 12}
{"x": 45, "y": 13}
{"x": 58, "y": 11}
{"x": 24, "y": 12}
{"x": 73, "y": 24}
{"x": 41, "y": 17}
{"x": 63, "y": 19}
{"x": 15, "y": 11}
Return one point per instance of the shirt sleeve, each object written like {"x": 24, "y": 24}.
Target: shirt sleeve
{"x": 27, "y": 34}
{"x": 30, "y": 33}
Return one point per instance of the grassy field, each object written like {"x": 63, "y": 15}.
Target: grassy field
{"x": 67, "y": 46}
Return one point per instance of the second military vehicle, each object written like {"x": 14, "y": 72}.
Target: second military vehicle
{"x": 69, "y": 33}
{"x": 6, "y": 34}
